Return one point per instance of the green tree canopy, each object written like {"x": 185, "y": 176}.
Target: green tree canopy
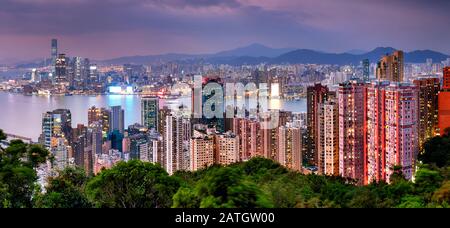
{"x": 436, "y": 151}
{"x": 133, "y": 184}
{"x": 66, "y": 190}
{"x": 17, "y": 173}
{"x": 222, "y": 187}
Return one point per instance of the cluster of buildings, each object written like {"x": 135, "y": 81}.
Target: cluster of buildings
{"x": 176, "y": 139}
{"x": 355, "y": 127}
{"x": 363, "y": 129}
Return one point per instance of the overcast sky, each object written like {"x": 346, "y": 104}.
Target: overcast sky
{"x": 103, "y": 29}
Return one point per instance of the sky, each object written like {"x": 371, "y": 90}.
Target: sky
{"x": 104, "y": 29}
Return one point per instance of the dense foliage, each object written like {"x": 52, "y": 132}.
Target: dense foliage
{"x": 255, "y": 183}
{"x": 17, "y": 173}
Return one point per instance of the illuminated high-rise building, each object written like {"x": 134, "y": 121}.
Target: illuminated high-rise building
{"x": 96, "y": 133}
{"x": 241, "y": 128}
{"x": 401, "y": 129}
{"x": 60, "y": 75}
{"x": 202, "y": 151}
{"x": 376, "y": 132}
{"x": 176, "y": 147}
{"x": 428, "y": 89}
{"x": 315, "y": 95}
{"x": 226, "y": 148}
{"x": 150, "y": 112}
{"x": 93, "y": 74}
{"x": 268, "y": 135}
{"x": 366, "y": 69}
{"x": 392, "y": 130}
{"x": 162, "y": 114}
{"x": 351, "y": 101}
{"x": 60, "y": 150}
{"x": 254, "y": 140}
{"x": 80, "y": 69}
{"x": 391, "y": 67}
{"x": 328, "y": 138}
{"x": 53, "y": 54}
{"x": 117, "y": 119}
{"x": 34, "y": 75}
{"x": 289, "y": 147}
{"x": 57, "y": 135}
{"x": 444, "y": 103}
{"x": 100, "y": 115}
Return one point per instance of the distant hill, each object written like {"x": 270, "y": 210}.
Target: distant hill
{"x": 34, "y": 64}
{"x": 148, "y": 59}
{"x": 356, "y": 51}
{"x": 258, "y": 53}
{"x": 311, "y": 56}
{"x": 254, "y": 50}
{"x": 420, "y": 56}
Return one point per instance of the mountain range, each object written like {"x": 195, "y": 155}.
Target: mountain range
{"x": 258, "y": 53}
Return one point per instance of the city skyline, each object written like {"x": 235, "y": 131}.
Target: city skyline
{"x": 137, "y": 27}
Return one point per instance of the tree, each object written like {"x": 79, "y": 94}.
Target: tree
{"x": 427, "y": 180}
{"x": 411, "y": 201}
{"x": 17, "y": 173}
{"x": 2, "y": 135}
{"x": 133, "y": 184}
{"x": 436, "y": 151}
{"x": 442, "y": 195}
{"x": 223, "y": 187}
{"x": 185, "y": 198}
{"x": 66, "y": 190}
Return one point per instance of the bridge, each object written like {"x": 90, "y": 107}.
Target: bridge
{"x": 23, "y": 138}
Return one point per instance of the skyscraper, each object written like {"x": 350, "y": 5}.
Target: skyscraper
{"x": 61, "y": 70}
{"x": 117, "y": 119}
{"x": 315, "y": 95}
{"x": 428, "y": 89}
{"x": 269, "y": 136}
{"x": 366, "y": 69}
{"x": 57, "y": 135}
{"x": 401, "y": 129}
{"x": 391, "y": 67}
{"x": 351, "y": 100}
{"x": 444, "y": 103}
{"x": 34, "y": 75}
{"x": 57, "y": 123}
{"x": 93, "y": 74}
{"x": 328, "y": 138}
{"x": 226, "y": 148}
{"x": 290, "y": 147}
{"x": 202, "y": 151}
{"x": 150, "y": 112}
{"x": 254, "y": 139}
{"x": 54, "y": 54}
{"x": 80, "y": 71}
{"x": 100, "y": 115}
{"x": 116, "y": 139}
{"x": 97, "y": 137}
{"x": 392, "y": 130}
{"x": 139, "y": 145}
{"x": 175, "y": 149}
{"x": 376, "y": 131}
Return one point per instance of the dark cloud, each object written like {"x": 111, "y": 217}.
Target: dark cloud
{"x": 109, "y": 28}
